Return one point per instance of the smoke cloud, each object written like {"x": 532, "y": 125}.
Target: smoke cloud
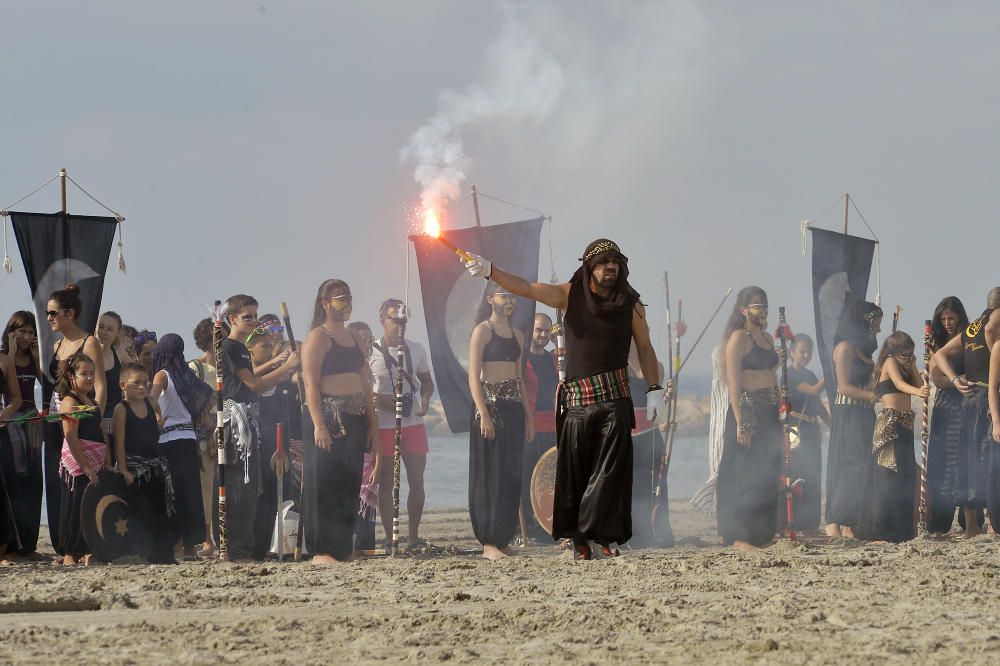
{"x": 549, "y": 83}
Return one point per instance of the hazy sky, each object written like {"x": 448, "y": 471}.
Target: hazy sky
{"x": 255, "y": 147}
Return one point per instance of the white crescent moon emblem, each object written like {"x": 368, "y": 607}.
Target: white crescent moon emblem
{"x": 102, "y": 506}
{"x": 58, "y": 275}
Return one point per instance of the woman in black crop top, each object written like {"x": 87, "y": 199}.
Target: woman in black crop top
{"x": 944, "y": 444}
{"x": 63, "y": 311}
{"x": 890, "y": 476}
{"x": 747, "y": 501}
{"x": 502, "y": 423}
{"x": 339, "y": 398}
{"x": 852, "y": 416}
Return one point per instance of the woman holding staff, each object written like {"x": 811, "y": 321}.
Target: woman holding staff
{"x": 501, "y": 423}
{"x": 747, "y": 503}
{"x": 339, "y": 398}
{"x": 852, "y": 415}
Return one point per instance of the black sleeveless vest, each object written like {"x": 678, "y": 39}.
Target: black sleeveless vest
{"x": 595, "y": 343}
{"x": 976, "y": 352}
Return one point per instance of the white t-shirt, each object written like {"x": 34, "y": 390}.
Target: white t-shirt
{"x": 386, "y": 384}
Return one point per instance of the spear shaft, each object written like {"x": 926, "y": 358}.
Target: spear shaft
{"x": 924, "y": 511}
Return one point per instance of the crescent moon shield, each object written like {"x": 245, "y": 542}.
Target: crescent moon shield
{"x": 543, "y": 489}
{"x": 116, "y": 518}
{"x": 102, "y": 506}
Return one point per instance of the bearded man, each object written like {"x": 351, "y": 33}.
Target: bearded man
{"x": 603, "y": 316}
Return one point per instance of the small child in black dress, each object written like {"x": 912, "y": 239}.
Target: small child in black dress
{"x": 136, "y": 428}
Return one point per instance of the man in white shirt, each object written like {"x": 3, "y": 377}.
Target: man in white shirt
{"x": 418, "y": 385}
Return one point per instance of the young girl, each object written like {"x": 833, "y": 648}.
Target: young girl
{"x": 84, "y": 451}
{"x": 890, "y": 474}
{"x": 145, "y": 348}
{"x": 183, "y": 400}
{"x": 21, "y": 459}
{"x": 804, "y": 397}
{"x": 135, "y": 424}
{"x": 109, "y": 329}
{"x": 501, "y": 424}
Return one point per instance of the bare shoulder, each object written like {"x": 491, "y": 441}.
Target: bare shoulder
{"x": 739, "y": 338}
{"x": 317, "y": 337}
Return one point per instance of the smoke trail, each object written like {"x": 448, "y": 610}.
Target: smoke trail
{"x": 592, "y": 85}
{"x": 522, "y": 80}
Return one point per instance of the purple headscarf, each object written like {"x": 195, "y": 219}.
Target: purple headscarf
{"x": 194, "y": 393}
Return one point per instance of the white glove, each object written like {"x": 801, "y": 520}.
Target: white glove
{"x": 479, "y": 267}
{"x": 654, "y": 399}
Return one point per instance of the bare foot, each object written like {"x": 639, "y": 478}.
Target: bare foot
{"x": 745, "y": 547}
{"x": 833, "y": 530}
{"x": 86, "y": 560}
{"x": 847, "y": 532}
{"x": 492, "y": 553}
{"x": 69, "y": 561}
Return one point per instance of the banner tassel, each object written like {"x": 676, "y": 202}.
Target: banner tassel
{"x": 7, "y": 267}
{"x": 122, "y": 268}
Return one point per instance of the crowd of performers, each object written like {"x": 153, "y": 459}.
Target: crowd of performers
{"x": 124, "y": 402}
{"x": 121, "y": 401}
{"x": 873, "y": 478}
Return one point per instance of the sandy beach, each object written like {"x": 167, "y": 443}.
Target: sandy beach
{"x": 811, "y": 602}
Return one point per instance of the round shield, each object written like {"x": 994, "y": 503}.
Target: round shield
{"x": 543, "y": 489}
{"x": 115, "y": 519}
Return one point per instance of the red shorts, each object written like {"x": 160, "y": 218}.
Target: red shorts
{"x": 414, "y": 440}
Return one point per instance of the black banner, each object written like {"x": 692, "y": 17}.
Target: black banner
{"x": 841, "y": 268}
{"x": 452, "y": 298}
{"x": 57, "y": 250}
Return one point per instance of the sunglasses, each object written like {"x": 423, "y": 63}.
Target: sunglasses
{"x": 143, "y": 338}
{"x": 52, "y": 314}
{"x": 260, "y": 330}
{"x": 272, "y": 328}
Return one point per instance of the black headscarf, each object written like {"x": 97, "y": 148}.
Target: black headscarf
{"x": 856, "y": 322}
{"x": 195, "y": 394}
{"x": 622, "y": 295}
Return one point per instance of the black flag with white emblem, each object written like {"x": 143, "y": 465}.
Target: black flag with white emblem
{"x": 452, "y": 298}
{"x": 841, "y": 264}
{"x": 58, "y": 249}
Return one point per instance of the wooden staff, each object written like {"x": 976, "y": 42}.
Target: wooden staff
{"x": 660, "y": 518}
{"x": 303, "y": 407}
{"x": 397, "y": 452}
{"x": 220, "y": 431}
{"x": 279, "y": 438}
{"x": 785, "y": 411}
{"x": 925, "y": 508}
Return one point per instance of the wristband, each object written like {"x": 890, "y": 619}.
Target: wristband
{"x": 654, "y": 387}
